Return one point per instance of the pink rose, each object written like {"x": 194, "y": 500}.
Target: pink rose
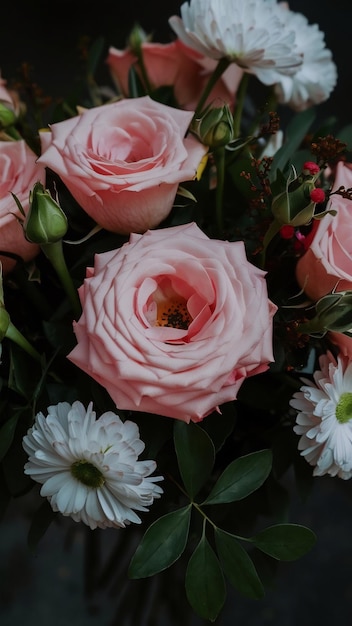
{"x": 123, "y": 161}
{"x": 327, "y": 264}
{"x": 19, "y": 172}
{"x": 177, "y": 65}
{"x": 173, "y": 322}
{"x": 343, "y": 342}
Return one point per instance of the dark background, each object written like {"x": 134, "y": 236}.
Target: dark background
{"x": 47, "y": 35}
{"x": 47, "y": 587}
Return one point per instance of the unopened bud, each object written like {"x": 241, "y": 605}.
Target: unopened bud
{"x": 137, "y": 38}
{"x": 296, "y": 205}
{"x": 215, "y": 127}
{"x": 45, "y": 221}
{"x": 333, "y": 313}
{"x": 7, "y": 116}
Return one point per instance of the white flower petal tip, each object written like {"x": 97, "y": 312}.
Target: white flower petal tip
{"x": 324, "y": 419}
{"x": 251, "y": 34}
{"x": 88, "y": 467}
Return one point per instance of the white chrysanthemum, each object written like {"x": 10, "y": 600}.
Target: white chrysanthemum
{"x": 88, "y": 467}
{"x": 316, "y": 78}
{"x": 251, "y": 34}
{"x": 324, "y": 418}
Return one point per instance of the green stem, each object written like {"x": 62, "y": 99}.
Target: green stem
{"x": 222, "y": 65}
{"x": 54, "y": 252}
{"x": 240, "y": 99}
{"x": 145, "y": 77}
{"x": 219, "y": 157}
{"x": 16, "y": 336}
{"x": 273, "y": 230}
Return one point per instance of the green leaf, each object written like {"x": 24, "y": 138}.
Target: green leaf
{"x": 219, "y": 427}
{"x": 241, "y": 478}
{"x": 135, "y": 85}
{"x": 205, "y": 585}
{"x": 195, "y": 455}
{"x": 295, "y": 133}
{"x": 7, "y": 433}
{"x": 285, "y": 542}
{"x": 23, "y": 372}
{"x": 238, "y": 566}
{"x": 162, "y": 544}
{"x": 94, "y": 55}
{"x": 41, "y": 521}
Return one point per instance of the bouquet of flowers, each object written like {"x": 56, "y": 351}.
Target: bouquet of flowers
{"x": 175, "y": 300}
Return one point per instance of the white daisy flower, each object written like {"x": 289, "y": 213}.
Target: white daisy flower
{"x": 324, "y": 418}
{"x": 316, "y": 78}
{"x": 251, "y": 34}
{"x": 88, "y": 467}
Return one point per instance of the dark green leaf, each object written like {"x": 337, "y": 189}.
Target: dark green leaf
{"x": 237, "y": 565}
{"x": 135, "y": 85}
{"x": 162, "y": 544}
{"x": 7, "y": 433}
{"x": 241, "y": 478}
{"x": 195, "y": 455}
{"x": 285, "y": 542}
{"x": 219, "y": 427}
{"x": 94, "y": 55}
{"x": 23, "y": 372}
{"x": 295, "y": 133}
{"x": 41, "y": 521}
{"x": 205, "y": 585}
{"x": 345, "y": 135}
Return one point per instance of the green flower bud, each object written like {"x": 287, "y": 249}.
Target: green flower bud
{"x": 215, "y": 127}
{"x": 7, "y": 116}
{"x": 295, "y": 206}
{"x": 45, "y": 221}
{"x": 333, "y": 313}
{"x": 137, "y": 37}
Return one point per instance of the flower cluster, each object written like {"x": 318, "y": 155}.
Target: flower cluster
{"x": 171, "y": 257}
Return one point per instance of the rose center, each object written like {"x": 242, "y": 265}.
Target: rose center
{"x": 173, "y": 313}
{"x": 344, "y": 408}
{"x": 87, "y": 474}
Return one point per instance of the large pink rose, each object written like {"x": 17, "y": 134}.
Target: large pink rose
{"x": 173, "y": 322}
{"x": 327, "y": 264}
{"x": 174, "y": 64}
{"x": 123, "y": 161}
{"x": 19, "y": 172}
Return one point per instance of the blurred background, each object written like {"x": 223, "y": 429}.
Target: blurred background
{"x": 49, "y": 585}
{"x": 49, "y": 38}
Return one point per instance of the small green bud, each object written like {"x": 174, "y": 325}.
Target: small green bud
{"x": 7, "y": 116}
{"x": 296, "y": 205}
{"x": 333, "y": 313}
{"x": 45, "y": 221}
{"x": 136, "y": 38}
{"x": 215, "y": 127}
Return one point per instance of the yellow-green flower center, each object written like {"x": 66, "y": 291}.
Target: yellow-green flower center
{"x": 344, "y": 408}
{"x": 173, "y": 313}
{"x": 87, "y": 474}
